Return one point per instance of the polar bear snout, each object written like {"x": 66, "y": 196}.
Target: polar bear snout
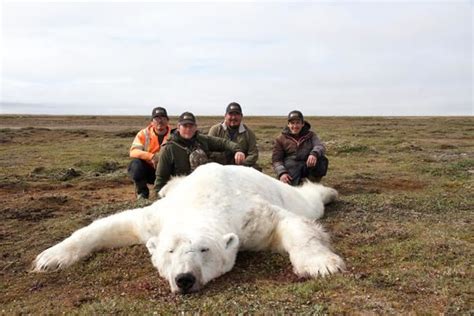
{"x": 185, "y": 282}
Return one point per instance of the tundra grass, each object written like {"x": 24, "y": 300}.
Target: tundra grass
{"x": 403, "y": 222}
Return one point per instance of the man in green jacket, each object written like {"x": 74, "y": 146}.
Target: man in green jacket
{"x": 234, "y": 130}
{"x": 186, "y": 149}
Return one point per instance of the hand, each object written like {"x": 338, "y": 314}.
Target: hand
{"x": 155, "y": 159}
{"x": 285, "y": 178}
{"x": 311, "y": 161}
{"x": 239, "y": 158}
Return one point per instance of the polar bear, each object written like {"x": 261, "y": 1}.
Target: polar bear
{"x": 195, "y": 230}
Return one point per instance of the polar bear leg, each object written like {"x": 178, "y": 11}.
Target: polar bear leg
{"x": 308, "y": 246}
{"x": 109, "y": 232}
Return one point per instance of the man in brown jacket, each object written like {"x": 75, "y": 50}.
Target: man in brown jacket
{"x": 298, "y": 153}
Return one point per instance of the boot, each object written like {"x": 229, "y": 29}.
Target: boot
{"x": 314, "y": 179}
{"x": 142, "y": 190}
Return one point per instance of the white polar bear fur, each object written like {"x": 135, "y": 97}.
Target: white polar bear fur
{"x": 195, "y": 230}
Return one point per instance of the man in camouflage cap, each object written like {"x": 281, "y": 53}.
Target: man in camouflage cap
{"x": 186, "y": 149}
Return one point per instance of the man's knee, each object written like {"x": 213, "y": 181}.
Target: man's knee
{"x": 320, "y": 170}
{"x": 138, "y": 170}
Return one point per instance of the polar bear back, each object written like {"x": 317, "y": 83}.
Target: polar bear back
{"x": 244, "y": 184}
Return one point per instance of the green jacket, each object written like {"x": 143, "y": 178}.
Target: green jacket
{"x": 174, "y": 155}
{"x": 244, "y": 137}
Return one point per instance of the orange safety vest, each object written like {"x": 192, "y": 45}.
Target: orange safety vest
{"x": 146, "y": 144}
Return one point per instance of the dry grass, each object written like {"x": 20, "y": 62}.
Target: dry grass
{"x": 403, "y": 222}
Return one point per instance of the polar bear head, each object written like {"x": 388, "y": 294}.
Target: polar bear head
{"x": 189, "y": 261}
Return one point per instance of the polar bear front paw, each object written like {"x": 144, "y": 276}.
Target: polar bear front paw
{"x": 317, "y": 265}
{"x": 54, "y": 258}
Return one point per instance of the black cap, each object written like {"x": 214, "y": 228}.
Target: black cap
{"x": 159, "y": 111}
{"x": 295, "y": 115}
{"x": 187, "y": 118}
{"x": 233, "y": 107}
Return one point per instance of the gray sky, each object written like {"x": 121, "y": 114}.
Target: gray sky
{"x": 322, "y": 57}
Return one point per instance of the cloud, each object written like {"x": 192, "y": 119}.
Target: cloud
{"x": 342, "y": 58}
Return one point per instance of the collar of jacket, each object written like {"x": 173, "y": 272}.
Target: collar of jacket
{"x": 241, "y": 127}
{"x": 155, "y": 130}
{"x": 174, "y": 136}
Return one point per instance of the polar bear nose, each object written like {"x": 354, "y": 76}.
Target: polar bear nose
{"x": 185, "y": 281}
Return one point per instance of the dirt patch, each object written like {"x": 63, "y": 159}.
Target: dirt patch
{"x": 127, "y": 134}
{"x": 407, "y": 147}
{"x": 450, "y": 156}
{"x": 79, "y": 300}
{"x": 266, "y": 265}
{"x": 102, "y": 184}
{"x": 68, "y": 174}
{"x": 28, "y": 214}
{"x": 376, "y": 186}
{"x": 13, "y": 185}
{"x": 65, "y": 174}
{"x": 5, "y": 139}
{"x": 155, "y": 287}
{"x": 41, "y": 201}
{"x": 54, "y": 199}
{"x": 401, "y": 184}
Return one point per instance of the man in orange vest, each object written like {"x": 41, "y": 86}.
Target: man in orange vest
{"x": 145, "y": 149}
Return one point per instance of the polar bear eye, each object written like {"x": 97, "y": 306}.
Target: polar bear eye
{"x": 171, "y": 251}
{"x": 204, "y": 249}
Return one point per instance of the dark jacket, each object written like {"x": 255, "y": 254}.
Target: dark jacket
{"x": 287, "y": 149}
{"x": 174, "y": 156}
{"x": 244, "y": 137}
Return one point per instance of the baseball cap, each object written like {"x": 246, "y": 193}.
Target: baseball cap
{"x": 187, "y": 118}
{"x": 233, "y": 107}
{"x": 295, "y": 115}
{"x": 159, "y": 111}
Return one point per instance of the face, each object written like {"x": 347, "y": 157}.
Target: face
{"x": 160, "y": 122}
{"x": 295, "y": 126}
{"x": 187, "y": 130}
{"x": 233, "y": 119}
{"x": 188, "y": 263}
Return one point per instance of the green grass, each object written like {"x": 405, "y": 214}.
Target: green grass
{"x": 403, "y": 222}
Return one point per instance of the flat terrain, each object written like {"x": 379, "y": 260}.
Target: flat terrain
{"x": 403, "y": 223}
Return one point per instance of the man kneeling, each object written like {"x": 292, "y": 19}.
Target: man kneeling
{"x": 298, "y": 153}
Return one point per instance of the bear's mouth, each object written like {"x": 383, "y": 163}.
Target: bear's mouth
{"x": 187, "y": 291}
{"x": 195, "y": 288}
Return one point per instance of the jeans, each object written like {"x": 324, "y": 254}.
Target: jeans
{"x": 141, "y": 173}
{"x": 298, "y": 170}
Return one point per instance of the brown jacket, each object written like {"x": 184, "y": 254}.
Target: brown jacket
{"x": 287, "y": 148}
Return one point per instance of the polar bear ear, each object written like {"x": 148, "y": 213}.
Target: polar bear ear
{"x": 231, "y": 240}
{"x": 152, "y": 244}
